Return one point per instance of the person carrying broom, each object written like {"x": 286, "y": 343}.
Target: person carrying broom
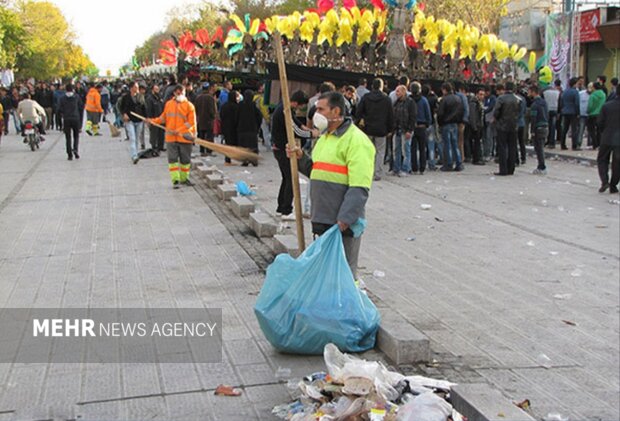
{"x": 179, "y": 117}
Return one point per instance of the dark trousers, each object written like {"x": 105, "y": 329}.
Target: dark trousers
{"x": 506, "y": 151}
{"x": 475, "y": 139}
{"x": 593, "y": 131}
{"x": 5, "y": 118}
{"x": 540, "y": 136}
{"x": 553, "y": 119}
{"x": 285, "y": 195}
{"x": 418, "y": 149}
{"x": 208, "y": 136}
{"x": 572, "y": 122}
{"x": 521, "y": 139}
{"x": 58, "y": 121}
{"x": 156, "y": 138}
{"x": 467, "y": 142}
{"x": 602, "y": 160}
{"x": 72, "y": 126}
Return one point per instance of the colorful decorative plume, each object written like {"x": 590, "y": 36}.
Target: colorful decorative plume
{"x": 234, "y": 39}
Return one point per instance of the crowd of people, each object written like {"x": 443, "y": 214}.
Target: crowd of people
{"x": 413, "y": 128}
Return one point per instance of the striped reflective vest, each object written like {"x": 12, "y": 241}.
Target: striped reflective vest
{"x": 180, "y": 121}
{"x": 93, "y": 101}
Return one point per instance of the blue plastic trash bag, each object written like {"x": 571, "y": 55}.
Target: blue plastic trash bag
{"x": 308, "y": 302}
{"x": 243, "y": 189}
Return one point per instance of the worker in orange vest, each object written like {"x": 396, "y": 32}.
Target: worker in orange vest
{"x": 179, "y": 117}
{"x": 93, "y": 109}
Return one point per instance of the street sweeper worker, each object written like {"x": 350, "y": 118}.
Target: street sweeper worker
{"x": 179, "y": 117}
{"x": 341, "y": 172}
{"x": 94, "y": 110}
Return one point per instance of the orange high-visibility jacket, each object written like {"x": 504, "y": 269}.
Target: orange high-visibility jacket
{"x": 180, "y": 121}
{"x": 93, "y": 101}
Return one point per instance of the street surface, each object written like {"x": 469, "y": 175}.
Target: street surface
{"x": 504, "y": 275}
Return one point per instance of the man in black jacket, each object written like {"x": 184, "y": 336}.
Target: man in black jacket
{"x": 506, "y": 113}
{"x": 473, "y": 139}
{"x": 206, "y": 111}
{"x": 69, "y": 107}
{"x": 278, "y": 144}
{"x": 130, "y": 103}
{"x": 609, "y": 126}
{"x": 154, "y": 108}
{"x": 405, "y": 116}
{"x": 449, "y": 116}
{"x": 376, "y": 111}
{"x": 539, "y": 123}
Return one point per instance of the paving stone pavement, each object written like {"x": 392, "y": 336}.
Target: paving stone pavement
{"x": 492, "y": 273}
{"x": 102, "y": 232}
{"x": 479, "y": 279}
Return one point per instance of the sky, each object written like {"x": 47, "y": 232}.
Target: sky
{"x": 110, "y": 31}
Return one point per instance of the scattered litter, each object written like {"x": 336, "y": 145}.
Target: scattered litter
{"x": 492, "y": 178}
{"x": 525, "y": 405}
{"x": 531, "y": 243}
{"x": 543, "y": 361}
{"x": 534, "y": 209}
{"x": 588, "y": 181}
{"x": 378, "y": 274}
{"x": 615, "y": 202}
{"x": 425, "y": 206}
{"x": 243, "y": 189}
{"x": 429, "y": 181}
{"x": 602, "y": 226}
{"x": 590, "y": 209}
{"x": 417, "y": 217}
{"x": 247, "y": 172}
{"x": 544, "y": 203}
{"x": 554, "y": 253}
{"x": 501, "y": 415}
{"x": 356, "y": 389}
{"x": 561, "y": 208}
{"x": 576, "y": 273}
{"x": 568, "y": 322}
{"x": 410, "y": 238}
{"x": 438, "y": 219}
{"x": 563, "y": 296}
{"x": 253, "y": 292}
{"x": 555, "y": 416}
{"x": 283, "y": 373}
{"x": 224, "y": 390}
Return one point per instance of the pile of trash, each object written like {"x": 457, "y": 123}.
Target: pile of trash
{"x": 358, "y": 390}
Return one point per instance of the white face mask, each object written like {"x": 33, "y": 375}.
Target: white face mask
{"x": 320, "y": 122}
{"x": 181, "y": 98}
{"x": 240, "y": 98}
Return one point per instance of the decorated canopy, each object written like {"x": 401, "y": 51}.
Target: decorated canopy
{"x": 395, "y": 37}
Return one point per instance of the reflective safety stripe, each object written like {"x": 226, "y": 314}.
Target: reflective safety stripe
{"x": 326, "y": 166}
{"x": 173, "y": 115}
{"x": 173, "y": 168}
{"x": 185, "y": 169}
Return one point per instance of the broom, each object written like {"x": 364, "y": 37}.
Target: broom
{"x": 232, "y": 152}
{"x": 114, "y": 131}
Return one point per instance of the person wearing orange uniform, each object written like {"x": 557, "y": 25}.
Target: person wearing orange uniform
{"x": 93, "y": 110}
{"x": 179, "y": 117}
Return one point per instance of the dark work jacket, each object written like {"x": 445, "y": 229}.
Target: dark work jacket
{"x": 69, "y": 107}
{"x": 405, "y": 114}
{"x": 476, "y": 113}
{"x": 154, "y": 105}
{"x": 506, "y": 112}
{"x": 450, "y": 110}
{"x": 569, "y": 102}
{"x": 128, "y": 105}
{"x": 376, "y": 110}
{"x": 539, "y": 115}
{"x": 278, "y": 129}
{"x": 206, "y": 110}
{"x": 609, "y": 123}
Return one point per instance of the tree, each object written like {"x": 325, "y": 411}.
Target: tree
{"x": 49, "y": 49}
{"x": 12, "y": 36}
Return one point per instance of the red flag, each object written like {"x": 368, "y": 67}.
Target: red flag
{"x": 378, "y": 4}
{"x": 325, "y": 5}
{"x": 349, "y": 4}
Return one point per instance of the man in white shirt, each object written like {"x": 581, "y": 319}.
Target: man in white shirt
{"x": 30, "y": 110}
{"x": 552, "y": 98}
